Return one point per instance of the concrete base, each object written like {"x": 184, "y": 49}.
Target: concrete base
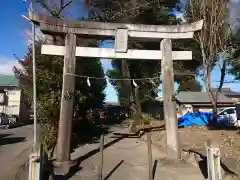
{"x": 62, "y": 168}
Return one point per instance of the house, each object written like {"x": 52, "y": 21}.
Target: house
{"x": 199, "y": 101}
{"x": 12, "y": 98}
{"x": 107, "y": 104}
{"x": 235, "y": 96}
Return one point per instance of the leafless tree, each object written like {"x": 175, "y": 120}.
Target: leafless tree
{"x": 214, "y": 38}
{"x": 54, "y": 7}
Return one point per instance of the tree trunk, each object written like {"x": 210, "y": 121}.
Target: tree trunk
{"x": 211, "y": 95}
{"x": 134, "y": 105}
{"x": 127, "y": 86}
{"x": 214, "y": 95}
{"x": 138, "y": 103}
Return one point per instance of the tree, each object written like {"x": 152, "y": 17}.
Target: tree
{"x": 49, "y": 77}
{"x": 55, "y": 8}
{"x": 214, "y": 38}
{"x": 49, "y": 71}
{"x": 143, "y": 12}
{"x": 235, "y": 69}
{"x": 235, "y": 62}
{"x": 187, "y": 83}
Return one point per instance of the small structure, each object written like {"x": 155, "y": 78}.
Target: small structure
{"x": 199, "y": 101}
{"x": 111, "y": 104}
{"x": 13, "y": 103}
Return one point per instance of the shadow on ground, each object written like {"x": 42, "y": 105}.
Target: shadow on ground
{"x": 86, "y": 132}
{"x": 57, "y": 177}
{"x": 4, "y": 135}
{"x": 16, "y": 125}
{"x": 11, "y": 126}
{"x": 222, "y": 127}
{"x": 77, "y": 168}
{"x": 89, "y": 132}
{"x": 5, "y": 139}
{"x": 203, "y": 165}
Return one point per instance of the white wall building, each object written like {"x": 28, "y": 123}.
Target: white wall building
{"x": 14, "y": 103}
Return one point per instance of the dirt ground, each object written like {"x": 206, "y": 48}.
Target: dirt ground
{"x": 195, "y": 137}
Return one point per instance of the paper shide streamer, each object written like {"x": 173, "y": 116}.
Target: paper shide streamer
{"x": 134, "y": 83}
{"x": 88, "y": 82}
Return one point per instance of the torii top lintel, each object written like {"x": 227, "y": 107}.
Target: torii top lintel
{"x": 55, "y": 25}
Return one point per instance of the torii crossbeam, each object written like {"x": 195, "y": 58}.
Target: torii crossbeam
{"x": 121, "y": 33}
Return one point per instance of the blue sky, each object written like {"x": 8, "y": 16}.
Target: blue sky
{"x": 13, "y": 28}
{"x": 13, "y": 35}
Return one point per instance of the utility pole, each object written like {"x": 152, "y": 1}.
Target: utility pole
{"x": 170, "y": 116}
{"x": 35, "y": 155}
{"x": 34, "y": 81}
{"x": 67, "y": 107}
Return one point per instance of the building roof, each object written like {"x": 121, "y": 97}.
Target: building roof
{"x": 8, "y": 80}
{"x": 200, "y": 97}
{"x": 228, "y": 91}
{"x": 111, "y": 103}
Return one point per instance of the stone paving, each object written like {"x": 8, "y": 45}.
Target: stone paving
{"x": 128, "y": 159}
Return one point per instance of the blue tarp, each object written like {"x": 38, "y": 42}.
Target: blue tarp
{"x": 202, "y": 118}
{"x": 195, "y": 118}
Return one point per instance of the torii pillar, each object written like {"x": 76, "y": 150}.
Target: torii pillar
{"x": 120, "y": 32}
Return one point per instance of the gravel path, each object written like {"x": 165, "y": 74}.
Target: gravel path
{"x": 127, "y": 159}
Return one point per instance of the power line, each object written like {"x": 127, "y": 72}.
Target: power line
{"x": 127, "y": 79}
{"x": 117, "y": 79}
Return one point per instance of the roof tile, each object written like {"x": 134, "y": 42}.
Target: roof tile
{"x": 199, "y": 97}
{"x": 8, "y": 80}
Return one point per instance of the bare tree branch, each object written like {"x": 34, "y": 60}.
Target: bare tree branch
{"x": 44, "y": 5}
{"x": 132, "y": 10}
{"x": 213, "y": 38}
{"x": 62, "y": 3}
{"x": 63, "y": 6}
{"x": 56, "y": 12}
{"x": 223, "y": 74}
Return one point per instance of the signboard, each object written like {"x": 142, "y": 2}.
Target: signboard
{"x": 236, "y": 100}
{"x": 121, "y": 41}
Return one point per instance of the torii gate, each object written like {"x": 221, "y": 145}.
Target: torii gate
{"x": 121, "y": 32}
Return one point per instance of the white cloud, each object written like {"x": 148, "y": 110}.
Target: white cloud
{"x": 7, "y": 64}
{"x": 38, "y": 36}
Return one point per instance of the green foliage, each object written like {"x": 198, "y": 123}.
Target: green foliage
{"x": 235, "y": 61}
{"x": 189, "y": 84}
{"x": 144, "y": 12}
{"x": 49, "y": 71}
{"x": 235, "y": 70}
{"x": 215, "y": 37}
